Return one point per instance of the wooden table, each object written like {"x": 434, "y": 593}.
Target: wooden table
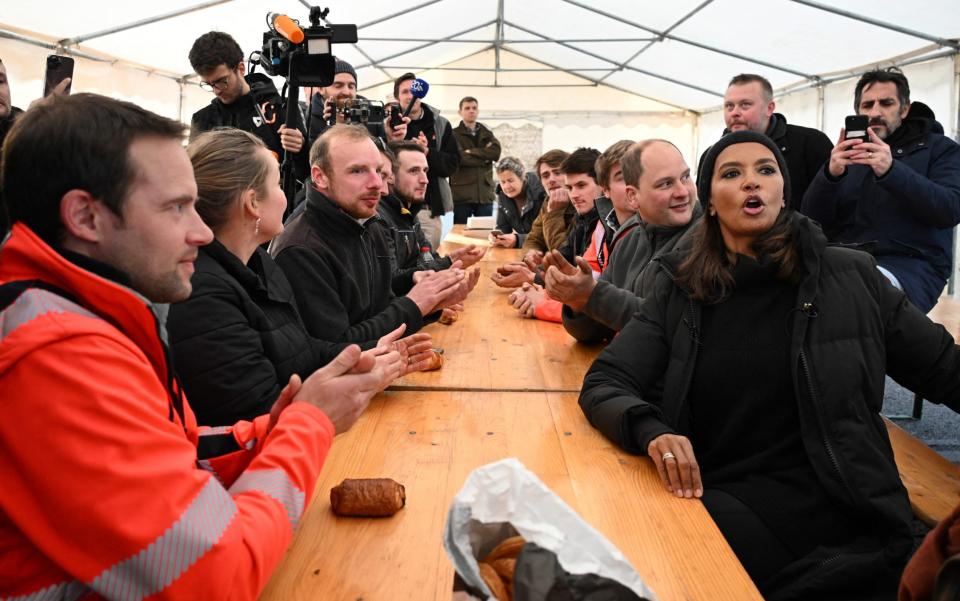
{"x": 508, "y": 388}
{"x": 430, "y": 441}
{"x": 491, "y": 347}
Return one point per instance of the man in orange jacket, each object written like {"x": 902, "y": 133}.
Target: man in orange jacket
{"x": 109, "y": 487}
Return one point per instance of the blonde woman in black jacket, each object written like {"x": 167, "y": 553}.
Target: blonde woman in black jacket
{"x": 239, "y": 337}
{"x": 753, "y": 377}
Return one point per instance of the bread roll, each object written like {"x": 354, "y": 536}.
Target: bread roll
{"x": 372, "y": 497}
{"x": 435, "y": 362}
{"x": 508, "y": 548}
{"x": 493, "y": 582}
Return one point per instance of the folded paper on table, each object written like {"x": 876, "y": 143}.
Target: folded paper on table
{"x": 481, "y": 223}
{"x": 470, "y": 238}
{"x": 507, "y": 492}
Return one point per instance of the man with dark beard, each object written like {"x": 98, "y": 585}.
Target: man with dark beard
{"x": 898, "y": 194}
{"x": 404, "y": 175}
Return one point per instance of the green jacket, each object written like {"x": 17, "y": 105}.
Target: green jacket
{"x": 473, "y": 181}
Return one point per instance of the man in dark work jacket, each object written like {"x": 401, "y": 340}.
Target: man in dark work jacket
{"x": 337, "y": 256}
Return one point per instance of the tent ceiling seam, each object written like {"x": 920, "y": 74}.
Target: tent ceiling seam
{"x": 628, "y": 67}
{"x": 693, "y": 43}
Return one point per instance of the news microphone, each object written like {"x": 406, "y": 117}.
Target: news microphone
{"x": 419, "y": 89}
{"x": 286, "y": 27}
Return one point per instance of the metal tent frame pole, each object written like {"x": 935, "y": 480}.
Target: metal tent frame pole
{"x": 878, "y": 23}
{"x": 139, "y": 23}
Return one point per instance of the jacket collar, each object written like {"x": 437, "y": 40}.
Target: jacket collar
{"x": 25, "y": 256}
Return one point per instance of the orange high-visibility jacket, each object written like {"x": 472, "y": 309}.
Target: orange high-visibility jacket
{"x": 105, "y": 490}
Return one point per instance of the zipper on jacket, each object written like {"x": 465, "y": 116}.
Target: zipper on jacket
{"x": 815, "y": 399}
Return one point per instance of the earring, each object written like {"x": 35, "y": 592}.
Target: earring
{"x": 712, "y": 211}
{"x": 256, "y": 229}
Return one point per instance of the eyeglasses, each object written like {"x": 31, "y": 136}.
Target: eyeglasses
{"x": 219, "y": 84}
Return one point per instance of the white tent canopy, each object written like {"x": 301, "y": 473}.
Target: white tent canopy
{"x": 584, "y": 73}
{"x": 547, "y": 73}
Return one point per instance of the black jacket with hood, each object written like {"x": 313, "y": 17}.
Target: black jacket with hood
{"x": 849, "y": 328}
{"x": 261, "y": 112}
{"x": 409, "y": 243}
{"x": 905, "y": 218}
{"x": 239, "y": 337}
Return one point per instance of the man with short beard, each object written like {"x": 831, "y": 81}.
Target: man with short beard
{"x": 896, "y": 195}
{"x": 748, "y": 105}
{"x": 337, "y": 255}
{"x": 110, "y": 489}
{"x": 404, "y": 174}
{"x": 342, "y": 90}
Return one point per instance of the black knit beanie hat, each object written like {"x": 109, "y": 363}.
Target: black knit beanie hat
{"x": 345, "y": 67}
{"x": 705, "y": 177}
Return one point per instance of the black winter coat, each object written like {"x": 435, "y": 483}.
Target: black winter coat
{"x": 904, "y": 218}
{"x": 408, "y": 242}
{"x": 340, "y": 272}
{"x": 622, "y": 285}
{"x": 261, "y": 112}
{"x": 805, "y": 149}
{"x": 512, "y": 221}
{"x": 850, "y": 328}
{"x": 239, "y": 337}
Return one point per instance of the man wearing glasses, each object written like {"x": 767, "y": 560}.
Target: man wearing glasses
{"x": 247, "y": 102}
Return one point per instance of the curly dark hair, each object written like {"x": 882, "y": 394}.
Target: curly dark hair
{"x": 213, "y": 49}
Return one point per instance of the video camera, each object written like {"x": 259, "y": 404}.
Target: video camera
{"x": 303, "y": 55}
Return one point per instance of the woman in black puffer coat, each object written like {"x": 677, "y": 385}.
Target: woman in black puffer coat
{"x": 753, "y": 378}
{"x": 239, "y": 337}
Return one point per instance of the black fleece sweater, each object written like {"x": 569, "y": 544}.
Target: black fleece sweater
{"x": 340, "y": 271}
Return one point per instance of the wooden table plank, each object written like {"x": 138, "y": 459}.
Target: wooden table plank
{"x": 491, "y": 347}
{"x": 622, "y": 496}
{"x": 932, "y": 482}
{"x": 430, "y": 441}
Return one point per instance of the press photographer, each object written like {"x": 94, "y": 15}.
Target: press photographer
{"x": 338, "y": 103}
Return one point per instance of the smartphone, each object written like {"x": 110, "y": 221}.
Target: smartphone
{"x": 496, "y": 233}
{"x": 395, "y": 117}
{"x": 58, "y": 69}
{"x": 856, "y": 127}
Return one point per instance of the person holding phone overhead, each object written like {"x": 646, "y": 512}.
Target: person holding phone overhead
{"x": 897, "y": 194}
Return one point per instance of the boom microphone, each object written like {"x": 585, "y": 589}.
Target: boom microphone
{"x": 419, "y": 89}
{"x": 286, "y": 27}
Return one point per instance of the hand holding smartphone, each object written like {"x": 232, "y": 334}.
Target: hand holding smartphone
{"x": 58, "y": 69}
{"x": 395, "y": 116}
{"x": 856, "y": 127}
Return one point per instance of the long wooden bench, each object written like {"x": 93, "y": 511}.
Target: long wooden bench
{"x": 932, "y": 482}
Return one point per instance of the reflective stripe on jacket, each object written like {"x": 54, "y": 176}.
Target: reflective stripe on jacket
{"x": 106, "y": 491}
